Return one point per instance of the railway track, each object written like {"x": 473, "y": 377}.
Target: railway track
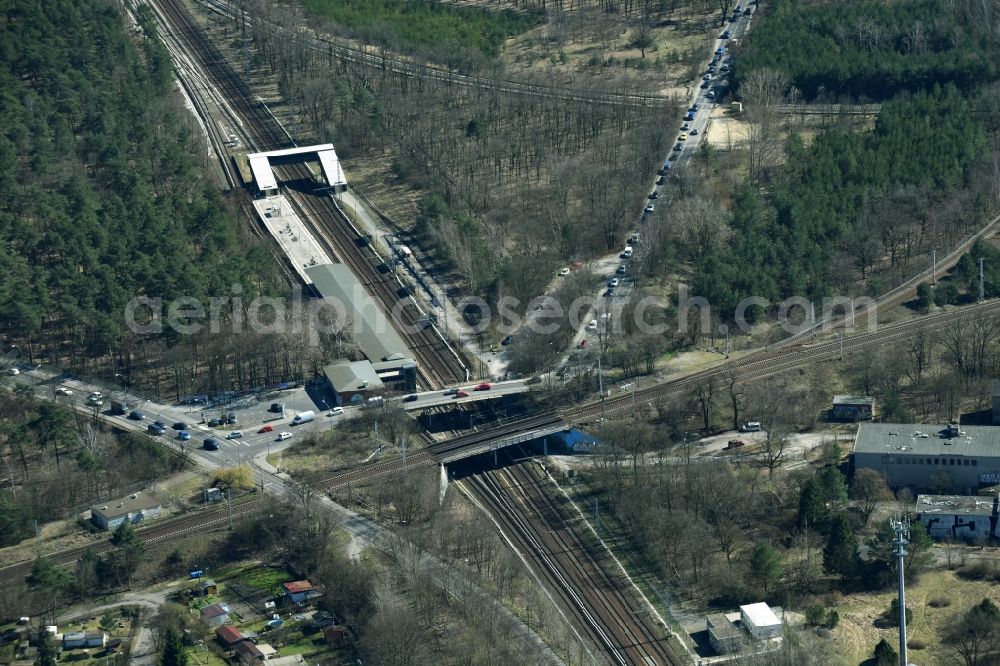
{"x": 565, "y": 553}
{"x": 437, "y": 363}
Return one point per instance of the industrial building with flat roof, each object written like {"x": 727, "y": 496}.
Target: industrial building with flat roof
{"x": 852, "y": 408}
{"x": 760, "y": 621}
{"x": 943, "y": 458}
{"x": 958, "y": 516}
{"x": 134, "y": 508}
{"x": 723, "y": 635}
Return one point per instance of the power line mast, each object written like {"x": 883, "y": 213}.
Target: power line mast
{"x": 982, "y": 282}
{"x": 902, "y": 529}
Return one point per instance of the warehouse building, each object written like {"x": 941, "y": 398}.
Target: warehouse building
{"x": 948, "y": 458}
{"x": 958, "y": 516}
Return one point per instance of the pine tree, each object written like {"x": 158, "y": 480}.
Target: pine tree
{"x": 765, "y": 565}
{"x": 173, "y": 650}
{"x": 885, "y": 654}
{"x": 840, "y": 555}
{"x": 46, "y": 653}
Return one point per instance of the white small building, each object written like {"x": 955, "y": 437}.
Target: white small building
{"x": 760, "y": 621}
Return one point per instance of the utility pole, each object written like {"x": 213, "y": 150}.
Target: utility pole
{"x": 982, "y": 291}
{"x": 840, "y": 341}
{"x": 600, "y": 381}
{"x": 902, "y": 530}
{"x": 597, "y": 516}
{"x": 229, "y": 506}
{"x": 934, "y": 267}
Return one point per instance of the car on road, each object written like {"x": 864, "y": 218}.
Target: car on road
{"x": 621, "y": 269}
{"x": 266, "y": 428}
{"x": 613, "y": 283}
{"x": 650, "y": 208}
{"x": 214, "y": 423}
{"x": 411, "y": 398}
{"x": 184, "y": 435}
{"x": 694, "y": 132}
{"x": 485, "y": 386}
{"x": 506, "y": 341}
{"x": 210, "y": 444}
{"x": 236, "y": 434}
{"x": 13, "y": 371}
{"x": 451, "y": 391}
{"x": 336, "y": 411}
{"x": 160, "y": 424}
{"x": 682, "y": 136}
{"x": 719, "y": 51}
{"x": 95, "y": 394}
{"x": 136, "y": 415}
{"x": 678, "y": 148}
{"x": 707, "y": 77}
{"x": 564, "y": 270}
{"x": 654, "y": 194}
{"x": 660, "y": 180}
{"x": 282, "y": 436}
{"x": 685, "y": 127}
{"x": 180, "y": 425}
{"x": 609, "y": 293}
{"x": 724, "y": 35}
{"x": 154, "y": 429}
{"x": 461, "y": 394}
{"x": 735, "y": 444}
{"x": 592, "y": 326}
{"x": 751, "y": 426}
{"x": 62, "y": 390}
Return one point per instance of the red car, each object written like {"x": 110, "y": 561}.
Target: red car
{"x": 266, "y": 428}
{"x": 461, "y": 394}
{"x": 735, "y": 443}
{"x": 485, "y": 386}
{"x": 583, "y": 344}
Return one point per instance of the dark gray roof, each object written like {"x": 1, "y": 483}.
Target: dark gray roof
{"x": 347, "y": 376}
{"x": 126, "y": 505}
{"x": 927, "y": 439}
{"x": 955, "y": 505}
{"x": 371, "y": 330}
{"x": 720, "y": 625}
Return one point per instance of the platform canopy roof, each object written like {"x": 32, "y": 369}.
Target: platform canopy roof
{"x": 263, "y": 174}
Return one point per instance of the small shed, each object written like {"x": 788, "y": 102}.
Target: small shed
{"x": 723, "y": 634}
{"x": 228, "y": 636}
{"x": 215, "y": 614}
{"x": 248, "y": 653}
{"x": 852, "y": 408}
{"x": 299, "y": 591}
{"x": 760, "y": 621}
{"x": 207, "y": 586}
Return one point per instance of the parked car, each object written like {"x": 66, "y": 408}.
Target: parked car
{"x": 276, "y": 407}
{"x": 735, "y": 444}
{"x": 154, "y": 429}
{"x": 564, "y": 271}
{"x": 180, "y": 425}
{"x": 210, "y": 444}
{"x": 214, "y": 423}
{"x": 461, "y": 394}
{"x": 654, "y": 195}
{"x": 266, "y": 428}
{"x": 236, "y": 434}
{"x": 609, "y": 293}
{"x": 95, "y": 395}
{"x": 660, "y": 180}
{"x": 678, "y": 148}
{"x": 621, "y": 269}
{"x": 231, "y": 419}
{"x": 506, "y": 341}
{"x": 13, "y": 371}
{"x": 614, "y": 282}
{"x": 136, "y": 415}
{"x": 336, "y": 411}
{"x": 485, "y": 386}
{"x": 592, "y": 326}
{"x": 282, "y": 436}
{"x": 724, "y": 35}
{"x": 184, "y": 435}
{"x": 649, "y": 208}
{"x": 62, "y": 390}
{"x": 694, "y": 132}
{"x": 751, "y": 426}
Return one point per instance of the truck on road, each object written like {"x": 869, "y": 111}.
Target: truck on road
{"x": 303, "y": 417}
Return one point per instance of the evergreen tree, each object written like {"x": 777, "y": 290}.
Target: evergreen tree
{"x": 765, "y": 565}
{"x": 885, "y": 654}
{"x": 840, "y": 556}
{"x": 173, "y": 650}
{"x": 46, "y": 652}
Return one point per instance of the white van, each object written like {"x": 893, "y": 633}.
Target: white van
{"x": 303, "y": 417}
{"x": 627, "y": 254}
{"x": 751, "y": 426}
{"x": 374, "y": 401}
